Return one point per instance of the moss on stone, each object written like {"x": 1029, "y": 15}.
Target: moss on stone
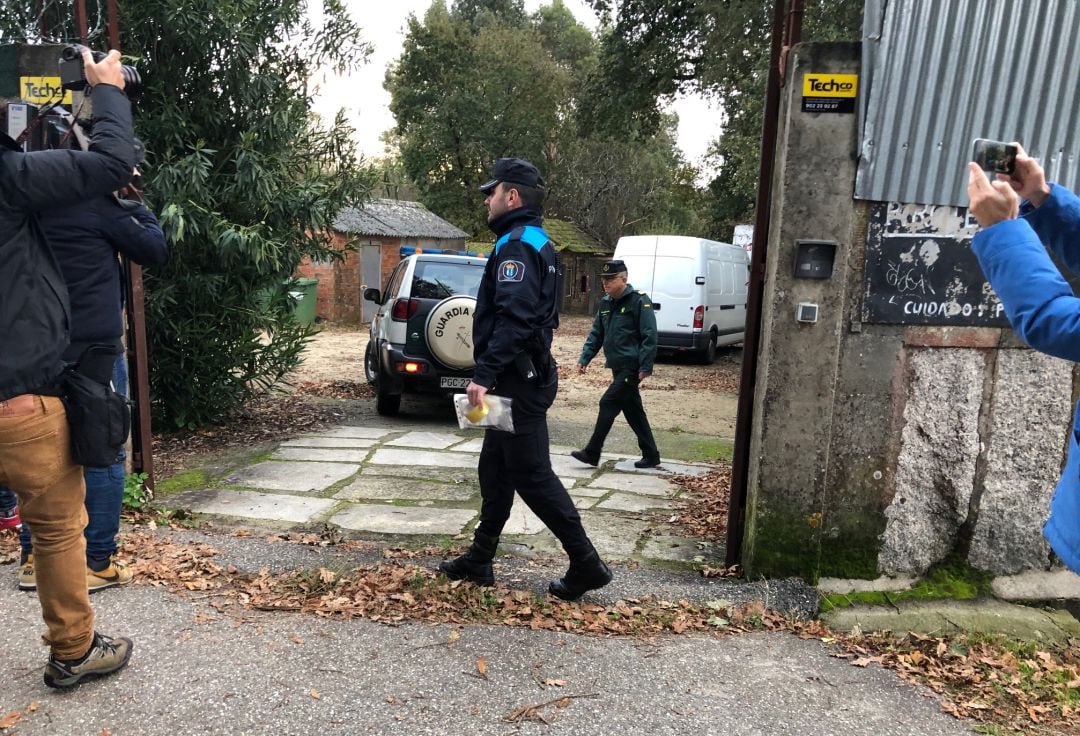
{"x": 812, "y": 545}
{"x": 953, "y": 579}
{"x": 181, "y": 482}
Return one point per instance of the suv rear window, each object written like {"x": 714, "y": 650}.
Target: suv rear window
{"x": 439, "y": 280}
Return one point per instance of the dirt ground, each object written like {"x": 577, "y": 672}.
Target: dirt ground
{"x": 679, "y": 396}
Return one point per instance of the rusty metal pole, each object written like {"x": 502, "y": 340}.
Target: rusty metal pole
{"x": 142, "y": 452}
{"x": 80, "y": 21}
{"x": 744, "y": 420}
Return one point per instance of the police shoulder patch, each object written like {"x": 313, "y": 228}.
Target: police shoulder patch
{"x": 511, "y": 271}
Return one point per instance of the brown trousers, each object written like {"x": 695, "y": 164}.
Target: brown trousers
{"x": 35, "y": 462}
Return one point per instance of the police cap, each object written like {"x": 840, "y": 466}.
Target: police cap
{"x": 612, "y": 268}
{"x": 513, "y": 171}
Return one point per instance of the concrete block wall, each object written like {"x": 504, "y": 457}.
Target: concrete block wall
{"x": 885, "y": 449}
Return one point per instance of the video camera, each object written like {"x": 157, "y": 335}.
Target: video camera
{"x": 51, "y": 126}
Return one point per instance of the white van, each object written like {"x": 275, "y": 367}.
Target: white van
{"x": 698, "y": 288}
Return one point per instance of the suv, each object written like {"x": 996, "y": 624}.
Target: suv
{"x": 421, "y": 337}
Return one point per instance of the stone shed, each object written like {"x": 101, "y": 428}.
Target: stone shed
{"x": 378, "y": 230}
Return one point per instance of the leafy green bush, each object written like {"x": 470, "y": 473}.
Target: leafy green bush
{"x": 246, "y": 181}
{"x": 136, "y": 494}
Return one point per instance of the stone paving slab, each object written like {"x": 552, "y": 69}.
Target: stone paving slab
{"x": 419, "y": 458}
{"x": 632, "y": 503}
{"x": 645, "y": 485}
{"x": 251, "y": 505}
{"x": 569, "y": 483}
{"x": 672, "y": 548}
{"x": 443, "y": 475}
{"x": 523, "y": 520}
{"x": 397, "y": 489}
{"x": 473, "y": 445}
{"x": 615, "y": 536}
{"x": 322, "y": 454}
{"x": 583, "y": 502}
{"x": 385, "y": 519}
{"x": 299, "y": 477}
{"x": 666, "y": 468}
{"x": 590, "y": 492}
{"x": 367, "y": 433}
{"x": 425, "y": 440}
{"x": 329, "y": 442}
{"x": 566, "y": 466}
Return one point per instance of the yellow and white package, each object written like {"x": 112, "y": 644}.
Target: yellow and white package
{"x": 493, "y": 412}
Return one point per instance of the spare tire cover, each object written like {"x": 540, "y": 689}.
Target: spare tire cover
{"x": 449, "y": 331}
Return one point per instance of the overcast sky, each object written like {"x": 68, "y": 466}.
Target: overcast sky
{"x": 363, "y": 97}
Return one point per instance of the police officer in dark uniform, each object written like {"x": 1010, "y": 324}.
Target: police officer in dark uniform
{"x": 625, "y": 326}
{"x": 516, "y": 310}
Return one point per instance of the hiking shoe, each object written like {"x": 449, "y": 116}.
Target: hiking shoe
{"x": 27, "y": 579}
{"x": 10, "y": 519}
{"x": 585, "y": 574}
{"x": 583, "y": 457}
{"x": 115, "y": 573}
{"x": 104, "y": 656}
{"x": 647, "y": 462}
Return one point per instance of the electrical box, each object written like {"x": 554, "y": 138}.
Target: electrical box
{"x": 814, "y": 259}
{"x": 806, "y": 312}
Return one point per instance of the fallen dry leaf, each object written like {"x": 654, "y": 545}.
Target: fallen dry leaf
{"x": 315, "y": 694}
{"x": 555, "y": 683}
{"x": 481, "y": 666}
{"x": 10, "y": 719}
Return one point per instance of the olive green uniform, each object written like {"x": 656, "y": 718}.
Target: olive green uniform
{"x": 626, "y": 328}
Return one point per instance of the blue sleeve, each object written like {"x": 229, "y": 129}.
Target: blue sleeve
{"x": 518, "y": 305}
{"x": 136, "y": 233}
{"x": 1057, "y": 224}
{"x": 1038, "y": 301}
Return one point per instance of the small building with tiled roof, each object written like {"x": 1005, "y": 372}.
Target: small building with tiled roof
{"x": 582, "y": 256}
{"x": 379, "y": 229}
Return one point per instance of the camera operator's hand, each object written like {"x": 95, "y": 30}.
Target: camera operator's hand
{"x": 107, "y": 71}
{"x": 991, "y": 202}
{"x": 1028, "y": 179}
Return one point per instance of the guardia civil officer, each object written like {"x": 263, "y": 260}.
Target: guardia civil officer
{"x": 626, "y": 328}
{"x": 516, "y": 311}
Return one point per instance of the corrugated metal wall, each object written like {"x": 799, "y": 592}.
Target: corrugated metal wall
{"x": 941, "y": 73}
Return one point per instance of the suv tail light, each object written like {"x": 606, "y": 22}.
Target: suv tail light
{"x": 404, "y": 308}
{"x": 699, "y": 318}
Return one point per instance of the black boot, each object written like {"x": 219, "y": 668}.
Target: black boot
{"x": 585, "y": 574}
{"x": 475, "y": 564}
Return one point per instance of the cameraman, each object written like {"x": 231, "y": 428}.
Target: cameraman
{"x": 1038, "y": 301}
{"x": 35, "y": 448}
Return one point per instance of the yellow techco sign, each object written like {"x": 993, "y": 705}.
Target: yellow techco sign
{"x": 41, "y": 90}
{"x": 830, "y": 92}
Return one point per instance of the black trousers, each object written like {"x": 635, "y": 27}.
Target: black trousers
{"x": 522, "y": 462}
{"x": 623, "y": 396}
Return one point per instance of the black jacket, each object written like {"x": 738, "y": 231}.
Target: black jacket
{"x": 516, "y": 304}
{"x": 85, "y": 239}
{"x": 34, "y": 313}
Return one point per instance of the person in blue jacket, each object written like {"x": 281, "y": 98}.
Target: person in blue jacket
{"x": 1039, "y": 303}
{"x": 87, "y": 239}
{"x": 516, "y": 310}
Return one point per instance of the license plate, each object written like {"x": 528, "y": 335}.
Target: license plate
{"x": 452, "y": 382}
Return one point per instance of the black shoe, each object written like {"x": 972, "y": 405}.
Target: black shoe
{"x": 647, "y": 462}
{"x": 106, "y": 655}
{"x": 583, "y": 457}
{"x": 588, "y": 573}
{"x": 475, "y": 564}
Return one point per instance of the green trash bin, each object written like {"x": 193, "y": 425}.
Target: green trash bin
{"x": 305, "y": 292}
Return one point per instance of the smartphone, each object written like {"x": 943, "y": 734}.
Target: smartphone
{"x": 994, "y": 157}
